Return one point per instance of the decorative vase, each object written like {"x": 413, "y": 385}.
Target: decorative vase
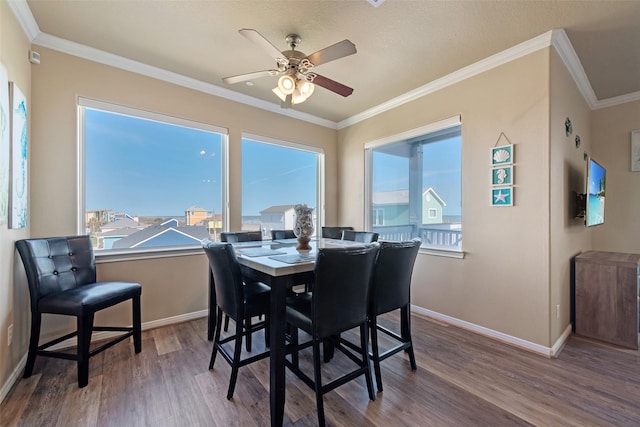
{"x": 303, "y": 228}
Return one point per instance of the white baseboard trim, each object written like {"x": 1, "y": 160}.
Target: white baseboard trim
{"x": 13, "y": 378}
{"x": 499, "y": 336}
{"x": 72, "y": 342}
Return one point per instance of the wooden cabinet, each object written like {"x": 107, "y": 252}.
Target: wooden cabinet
{"x": 606, "y": 297}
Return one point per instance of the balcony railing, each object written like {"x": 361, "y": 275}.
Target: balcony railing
{"x": 438, "y": 236}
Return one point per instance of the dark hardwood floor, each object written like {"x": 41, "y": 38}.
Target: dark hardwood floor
{"x": 462, "y": 380}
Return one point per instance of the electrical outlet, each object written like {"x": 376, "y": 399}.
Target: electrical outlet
{"x": 557, "y": 311}
{"x": 9, "y": 334}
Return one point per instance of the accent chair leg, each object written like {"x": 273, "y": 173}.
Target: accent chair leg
{"x": 36, "y": 321}
{"x": 237, "y": 349}
{"x": 85, "y": 326}
{"x": 137, "y": 324}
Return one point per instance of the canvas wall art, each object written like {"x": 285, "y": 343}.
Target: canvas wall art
{"x": 4, "y": 145}
{"x": 19, "y": 115}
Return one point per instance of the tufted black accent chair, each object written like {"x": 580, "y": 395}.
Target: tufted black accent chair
{"x": 359, "y": 236}
{"x": 334, "y": 232}
{"x": 390, "y": 290}
{"x": 337, "y": 304}
{"x": 239, "y": 301}
{"x": 62, "y": 280}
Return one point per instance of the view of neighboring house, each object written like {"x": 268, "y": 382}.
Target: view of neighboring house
{"x": 107, "y": 234}
{"x": 391, "y": 208}
{"x": 195, "y": 215}
{"x": 280, "y": 217}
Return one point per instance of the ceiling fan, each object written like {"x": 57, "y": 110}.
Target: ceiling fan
{"x": 297, "y": 78}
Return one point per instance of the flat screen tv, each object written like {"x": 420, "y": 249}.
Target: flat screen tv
{"x": 596, "y": 181}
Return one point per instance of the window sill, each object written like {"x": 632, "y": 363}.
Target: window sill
{"x": 132, "y": 255}
{"x": 442, "y": 252}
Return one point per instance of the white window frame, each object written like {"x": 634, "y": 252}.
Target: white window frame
{"x": 368, "y": 170}
{"x": 302, "y": 147}
{"x": 116, "y": 255}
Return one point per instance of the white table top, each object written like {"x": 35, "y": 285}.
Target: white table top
{"x": 266, "y": 264}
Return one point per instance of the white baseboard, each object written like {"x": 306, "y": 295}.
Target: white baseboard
{"x": 13, "y": 378}
{"x": 72, "y": 342}
{"x": 499, "y": 336}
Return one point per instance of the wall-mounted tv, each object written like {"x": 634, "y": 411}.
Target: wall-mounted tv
{"x": 596, "y": 181}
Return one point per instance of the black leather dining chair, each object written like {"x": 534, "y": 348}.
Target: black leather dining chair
{"x": 282, "y": 234}
{"x": 235, "y": 237}
{"x": 390, "y": 290}
{"x": 337, "y": 304}
{"x": 240, "y": 236}
{"x": 334, "y": 232}
{"x": 359, "y": 236}
{"x": 61, "y": 274}
{"x": 240, "y": 301}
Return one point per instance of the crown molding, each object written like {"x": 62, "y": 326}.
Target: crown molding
{"x": 560, "y": 41}
{"x": 474, "y": 69}
{"x": 23, "y": 14}
{"x": 556, "y": 38}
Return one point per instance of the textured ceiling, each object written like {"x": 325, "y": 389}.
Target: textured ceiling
{"x": 401, "y": 44}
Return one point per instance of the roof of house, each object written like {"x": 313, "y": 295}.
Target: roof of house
{"x": 196, "y": 208}
{"x": 118, "y": 232}
{"x": 122, "y": 223}
{"x": 145, "y": 235}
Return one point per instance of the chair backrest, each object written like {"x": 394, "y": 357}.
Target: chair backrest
{"x": 341, "y": 288}
{"x": 227, "y": 278}
{"x": 56, "y": 264}
{"x": 360, "y": 236}
{"x": 334, "y": 232}
{"x": 240, "y": 236}
{"x": 282, "y": 234}
{"x": 391, "y": 282}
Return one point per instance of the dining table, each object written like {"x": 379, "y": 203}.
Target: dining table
{"x": 280, "y": 265}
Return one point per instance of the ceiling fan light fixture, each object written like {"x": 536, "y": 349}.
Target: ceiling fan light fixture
{"x": 286, "y": 84}
{"x": 306, "y": 88}
{"x": 279, "y": 93}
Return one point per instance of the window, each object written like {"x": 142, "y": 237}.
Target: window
{"x": 378, "y": 216}
{"x": 414, "y": 186}
{"x": 277, "y": 175}
{"x": 150, "y": 180}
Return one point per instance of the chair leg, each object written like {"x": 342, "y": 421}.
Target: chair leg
{"x": 137, "y": 324}
{"x": 226, "y": 323}
{"x": 216, "y": 338}
{"x": 247, "y": 322}
{"x": 85, "y": 325}
{"x": 375, "y": 351}
{"x": 364, "y": 347}
{"x": 318, "y": 382}
{"x": 36, "y": 321}
{"x": 267, "y": 335}
{"x": 237, "y": 349}
{"x": 406, "y": 335}
{"x": 295, "y": 359}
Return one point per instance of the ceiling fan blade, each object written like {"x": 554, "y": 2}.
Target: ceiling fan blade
{"x": 333, "y": 52}
{"x": 332, "y": 85}
{"x": 265, "y": 44}
{"x": 249, "y": 76}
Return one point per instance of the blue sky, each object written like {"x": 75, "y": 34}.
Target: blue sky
{"x": 122, "y": 154}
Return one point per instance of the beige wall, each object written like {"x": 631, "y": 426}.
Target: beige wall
{"x": 611, "y": 132}
{"x": 14, "y": 48}
{"x": 503, "y": 281}
{"x": 568, "y": 235}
